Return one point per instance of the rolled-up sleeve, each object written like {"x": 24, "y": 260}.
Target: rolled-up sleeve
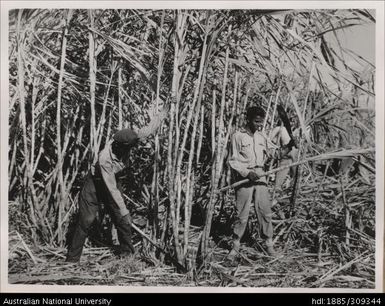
{"x": 152, "y": 127}
{"x": 109, "y": 179}
{"x": 274, "y": 135}
{"x": 236, "y": 161}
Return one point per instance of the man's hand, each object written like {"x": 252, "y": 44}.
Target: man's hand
{"x": 165, "y": 111}
{"x": 259, "y": 172}
{"x": 127, "y": 219}
{"x": 252, "y": 176}
{"x": 161, "y": 113}
{"x": 255, "y": 174}
{"x": 156, "y": 121}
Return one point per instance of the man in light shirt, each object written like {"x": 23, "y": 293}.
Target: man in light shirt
{"x": 102, "y": 185}
{"x": 281, "y": 137}
{"x": 249, "y": 152}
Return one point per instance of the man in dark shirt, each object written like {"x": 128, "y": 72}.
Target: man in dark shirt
{"x": 102, "y": 186}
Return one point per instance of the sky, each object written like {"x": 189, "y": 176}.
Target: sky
{"x": 361, "y": 39}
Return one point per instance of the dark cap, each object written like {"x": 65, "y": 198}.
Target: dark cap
{"x": 126, "y": 136}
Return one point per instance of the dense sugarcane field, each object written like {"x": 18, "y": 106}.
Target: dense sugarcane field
{"x": 77, "y": 76}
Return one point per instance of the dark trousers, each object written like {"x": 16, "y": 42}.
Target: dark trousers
{"x": 94, "y": 193}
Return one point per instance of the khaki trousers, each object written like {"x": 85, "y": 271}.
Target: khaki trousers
{"x": 245, "y": 195}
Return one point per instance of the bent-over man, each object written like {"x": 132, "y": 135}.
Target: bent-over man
{"x": 102, "y": 186}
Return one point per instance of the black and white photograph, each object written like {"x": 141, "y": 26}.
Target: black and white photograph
{"x": 192, "y": 147}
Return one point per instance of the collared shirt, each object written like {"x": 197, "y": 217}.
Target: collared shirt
{"x": 107, "y": 168}
{"x": 249, "y": 152}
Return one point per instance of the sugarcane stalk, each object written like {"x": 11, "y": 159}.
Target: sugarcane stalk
{"x": 218, "y": 171}
{"x": 60, "y": 152}
{"x": 12, "y": 164}
{"x": 195, "y": 105}
{"x": 213, "y": 124}
{"x": 174, "y": 260}
{"x": 308, "y": 91}
{"x": 120, "y": 111}
{"x": 223, "y": 100}
{"x": 93, "y": 67}
{"x": 294, "y": 194}
{"x": 347, "y": 213}
{"x": 267, "y": 112}
{"x": 28, "y": 175}
{"x": 188, "y": 203}
{"x": 33, "y": 134}
{"x": 41, "y": 148}
{"x": 216, "y": 156}
{"x": 21, "y": 91}
{"x": 196, "y": 98}
{"x": 243, "y": 107}
{"x": 275, "y": 104}
{"x": 155, "y": 180}
{"x": 200, "y": 134}
{"x": 100, "y": 127}
{"x": 109, "y": 127}
{"x": 174, "y": 121}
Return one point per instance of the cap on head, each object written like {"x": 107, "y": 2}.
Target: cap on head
{"x": 126, "y": 137}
